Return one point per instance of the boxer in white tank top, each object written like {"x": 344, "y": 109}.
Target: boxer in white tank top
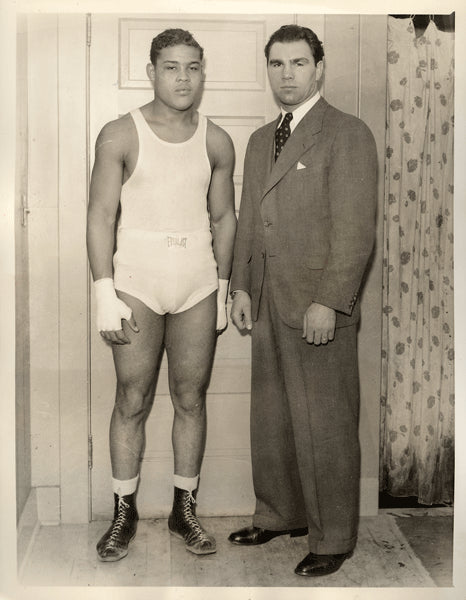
{"x": 171, "y": 170}
{"x": 164, "y": 245}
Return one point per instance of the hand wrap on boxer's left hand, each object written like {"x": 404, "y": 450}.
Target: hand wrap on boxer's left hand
{"x": 110, "y": 309}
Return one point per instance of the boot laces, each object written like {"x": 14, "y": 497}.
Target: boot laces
{"x": 192, "y": 521}
{"x": 119, "y": 522}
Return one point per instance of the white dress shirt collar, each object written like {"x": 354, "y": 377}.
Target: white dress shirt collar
{"x": 299, "y": 112}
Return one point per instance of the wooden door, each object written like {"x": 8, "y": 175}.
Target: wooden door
{"x": 237, "y": 98}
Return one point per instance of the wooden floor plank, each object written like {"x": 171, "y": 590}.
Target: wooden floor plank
{"x": 158, "y": 553}
{"x": 430, "y": 537}
{"x": 221, "y": 568}
{"x": 55, "y": 546}
{"x": 283, "y": 554}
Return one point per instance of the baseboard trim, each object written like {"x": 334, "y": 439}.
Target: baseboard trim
{"x": 26, "y": 532}
{"x": 369, "y": 501}
{"x": 48, "y": 504}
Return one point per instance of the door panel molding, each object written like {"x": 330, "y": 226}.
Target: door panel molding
{"x": 228, "y": 64}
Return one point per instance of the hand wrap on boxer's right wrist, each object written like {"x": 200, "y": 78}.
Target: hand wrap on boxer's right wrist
{"x": 222, "y": 293}
{"x": 110, "y": 309}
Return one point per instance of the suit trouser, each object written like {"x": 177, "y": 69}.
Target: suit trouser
{"x": 304, "y": 431}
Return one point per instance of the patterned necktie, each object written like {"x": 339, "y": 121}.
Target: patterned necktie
{"x": 282, "y": 134}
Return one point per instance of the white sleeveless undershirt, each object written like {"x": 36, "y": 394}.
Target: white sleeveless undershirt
{"x": 164, "y": 251}
{"x": 167, "y": 191}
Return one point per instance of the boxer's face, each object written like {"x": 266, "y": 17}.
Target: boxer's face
{"x": 177, "y": 76}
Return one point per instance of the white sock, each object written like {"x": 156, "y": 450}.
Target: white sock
{"x": 125, "y": 487}
{"x": 186, "y": 483}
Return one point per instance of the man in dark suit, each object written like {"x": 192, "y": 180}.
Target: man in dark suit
{"x": 305, "y": 233}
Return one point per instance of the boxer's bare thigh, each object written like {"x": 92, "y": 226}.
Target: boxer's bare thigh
{"x": 138, "y": 361}
{"x": 190, "y": 340}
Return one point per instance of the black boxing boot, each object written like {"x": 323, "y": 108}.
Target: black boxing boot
{"x": 113, "y": 545}
{"x": 184, "y": 524}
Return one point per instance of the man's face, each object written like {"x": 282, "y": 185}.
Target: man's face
{"x": 292, "y": 73}
{"x": 177, "y": 76}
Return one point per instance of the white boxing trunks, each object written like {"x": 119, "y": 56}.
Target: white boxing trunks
{"x": 169, "y": 272}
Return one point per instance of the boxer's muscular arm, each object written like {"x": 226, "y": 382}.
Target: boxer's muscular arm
{"x": 221, "y": 197}
{"x": 221, "y": 202}
{"x": 104, "y": 198}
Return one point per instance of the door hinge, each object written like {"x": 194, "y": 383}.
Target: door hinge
{"x": 90, "y": 452}
{"x": 88, "y": 29}
{"x": 24, "y": 210}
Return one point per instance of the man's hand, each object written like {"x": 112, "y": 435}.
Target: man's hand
{"x": 241, "y": 310}
{"x": 319, "y": 324}
{"x": 110, "y": 312}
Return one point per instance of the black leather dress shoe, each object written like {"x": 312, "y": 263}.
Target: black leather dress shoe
{"x": 317, "y": 565}
{"x": 253, "y": 536}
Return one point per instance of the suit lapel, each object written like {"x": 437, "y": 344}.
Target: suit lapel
{"x": 299, "y": 142}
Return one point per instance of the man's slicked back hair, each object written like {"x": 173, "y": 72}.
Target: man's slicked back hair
{"x": 172, "y": 37}
{"x": 295, "y": 33}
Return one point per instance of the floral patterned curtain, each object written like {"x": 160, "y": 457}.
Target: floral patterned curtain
{"x": 417, "y": 429}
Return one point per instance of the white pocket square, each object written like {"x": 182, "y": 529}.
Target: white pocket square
{"x": 300, "y": 166}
